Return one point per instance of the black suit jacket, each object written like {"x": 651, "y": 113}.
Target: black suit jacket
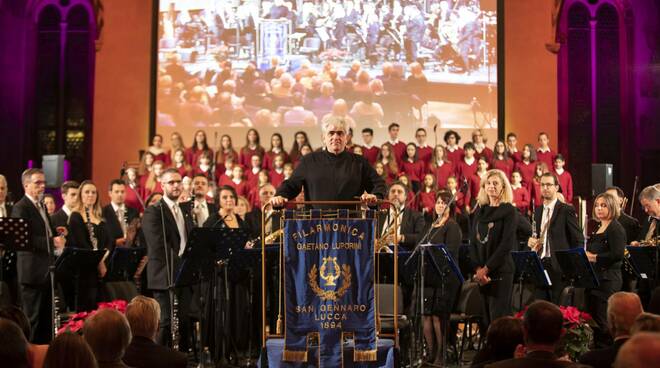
{"x": 647, "y": 226}
{"x": 33, "y": 266}
{"x": 144, "y": 353}
{"x": 631, "y": 226}
{"x": 563, "y": 230}
{"x": 602, "y": 357}
{"x": 412, "y": 227}
{"x": 158, "y": 239}
{"x": 188, "y": 207}
{"x": 112, "y": 222}
{"x": 535, "y": 359}
{"x": 253, "y": 222}
{"x": 59, "y": 218}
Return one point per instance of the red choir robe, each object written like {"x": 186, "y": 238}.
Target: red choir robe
{"x": 183, "y": 171}
{"x": 504, "y": 165}
{"x": 527, "y": 173}
{"x": 133, "y": 197}
{"x": 566, "y": 185}
{"x": 459, "y": 199}
{"x": 425, "y": 154}
{"x": 193, "y": 156}
{"x": 536, "y": 193}
{"x": 465, "y": 170}
{"x": 252, "y": 177}
{"x": 486, "y": 152}
{"x": 414, "y": 170}
{"x": 515, "y": 156}
{"x": 245, "y": 157}
{"x": 399, "y": 149}
{"x": 455, "y": 156}
{"x": 443, "y": 172}
{"x": 269, "y": 157}
{"x": 521, "y": 198}
{"x": 426, "y": 200}
{"x": 276, "y": 178}
{"x": 371, "y": 154}
{"x": 474, "y": 185}
{"x": 242, "y": 188}
{"x": 547, "y": 157}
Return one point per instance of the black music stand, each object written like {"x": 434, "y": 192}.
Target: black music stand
{"x": 644, "y": 261}
{"x": 529, "y": 268}
{"x": 73, "y": 260}
{"x": 14, "y": 236}
{"x": 124, "y": 263}
{"x": 577, "y": 269}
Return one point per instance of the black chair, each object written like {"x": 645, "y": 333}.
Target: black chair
{"x": 386, "y": 311}
{"x": 469, "y": 313}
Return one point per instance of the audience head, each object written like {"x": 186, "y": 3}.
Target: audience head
{"x": 143, "y": 315}
{"x": 640, "y": 351}
{"x": 69, "y": 350}
{"x": 649, "y": 198}
{"x": 13, "y": 345}
{"x": 495, "y": 188}
{"x": 17, "y": 316}
{"x": 646, "y": 322}
{"x": 543, "y": 324}
{"x": 606, "y": 208}
{"x": 622, "y": 310}
{"x": 108, "y": 334}
{"x": 504, "y": 334}
{"x": 34, "y": 182}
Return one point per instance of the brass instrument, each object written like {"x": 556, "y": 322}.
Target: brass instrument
{"x": 382, "y": 243}
{"x": 274, "y": 236}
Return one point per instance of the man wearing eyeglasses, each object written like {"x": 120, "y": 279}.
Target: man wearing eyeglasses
{"x": 33, "y": 266}
{"x": 166, "y": 227}
{"x": 556, "y": 229}
{"x": 333, "y": 174}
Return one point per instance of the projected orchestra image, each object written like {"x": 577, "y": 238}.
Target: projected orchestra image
{"x": 226, "y": 64}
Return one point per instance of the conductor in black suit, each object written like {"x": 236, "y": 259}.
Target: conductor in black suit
{"x": 117, "y": 215}
{"x": 556, "y": 229}
{"x": 33, "y": 266}
{"x": 166, "y": 227}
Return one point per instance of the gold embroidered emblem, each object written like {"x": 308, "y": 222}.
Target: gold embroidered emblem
{"x": 330, "y": 279}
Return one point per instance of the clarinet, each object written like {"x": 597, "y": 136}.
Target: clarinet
{"x": 90, "y": 230}
{"x": 125, "y": 219}
{"x": 534, "y": 234}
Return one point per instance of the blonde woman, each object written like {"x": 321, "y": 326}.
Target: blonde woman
{"x": 493, "y": 237}
{"x": 88, "y": 230}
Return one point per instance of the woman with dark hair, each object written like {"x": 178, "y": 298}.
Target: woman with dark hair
{"x": 386, "y": 157}
{"x": 501, "y": 160}
{"x": 605, "y": 250}
{"x": 146, "y": 161}
{"x": 503, "y": 336}
{"x": 276, "y": 148}
{"x": 526, "y": 166}
{"x": 300, "y": 138}
{"x": 453, "y": 152}
{"x": 199, "y": 147}
{"x": 157, "y": 149}
{"x": 413, "y": 166}
{"x": 252, "y": 147}
{"x": 439, "y": 299}
{"x": 69, "y": 350}
{"x": 540, "y": 168}
{"x": 88, "y": 230}
{"x": 36, "y": 353}
{"x": 227, "y": 216}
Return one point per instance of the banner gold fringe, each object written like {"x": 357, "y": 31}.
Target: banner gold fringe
{"x": 364, "y": 355}
{"x": 294, "y": 356}
{"x": 278, "y": 325}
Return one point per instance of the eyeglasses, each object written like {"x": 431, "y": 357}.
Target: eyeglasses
{"x": 547, "y": 185}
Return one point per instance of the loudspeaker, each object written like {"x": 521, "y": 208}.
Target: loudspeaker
{"x": 601, "y": 178}
{"x": 53, "y": 166}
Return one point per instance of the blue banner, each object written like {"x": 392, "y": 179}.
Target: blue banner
{"x": 329, "y": 288}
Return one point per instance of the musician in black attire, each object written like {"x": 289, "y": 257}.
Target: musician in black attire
{"x": 492, "y": 238}
{"x": 630, "y": 224}
{"x": 69, "y": 190}
{"x": 556, "y": 229}
{"x": 333, "y": 174}
{"x": 605, "y": 251}
{"x": 649, "y": 198}
{"x": 166, "y": 227}
{"x": 439, "y": 301}
{"x": 410, "y": 223}
{"x": 87, "y": 230}
{"x": 33, "y": 266}
{"x": 118, "y": 217}
{"x": 8, "y": 257}
{"x": 198, "y": 207}
{"x": 253, "y": 218}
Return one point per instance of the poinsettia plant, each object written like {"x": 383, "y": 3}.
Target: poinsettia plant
{"x": 579, "y": 331}
{"x": 76, "y": 321}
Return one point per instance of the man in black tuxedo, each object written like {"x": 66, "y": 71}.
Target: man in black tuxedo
{"x": 542, "y": 331}
{"x": 410, "y": 223}
{"x": 253, "y": 218}
{"x": 117, "y": 215}
{"x": 143, "y": 314}
{"x": 69, "y": 190}
{"x": 556, "y": 229}
{"x": 33, "y": 266}
{"x": 166, "y": 227}
{"x": 622, "y": 310}
{"x": 198, "y": 207}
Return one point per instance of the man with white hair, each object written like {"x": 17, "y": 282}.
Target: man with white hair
{"x": 649, "y": 198}
{"x": 332, "y": 174}
{"x": 622, "y": 310}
